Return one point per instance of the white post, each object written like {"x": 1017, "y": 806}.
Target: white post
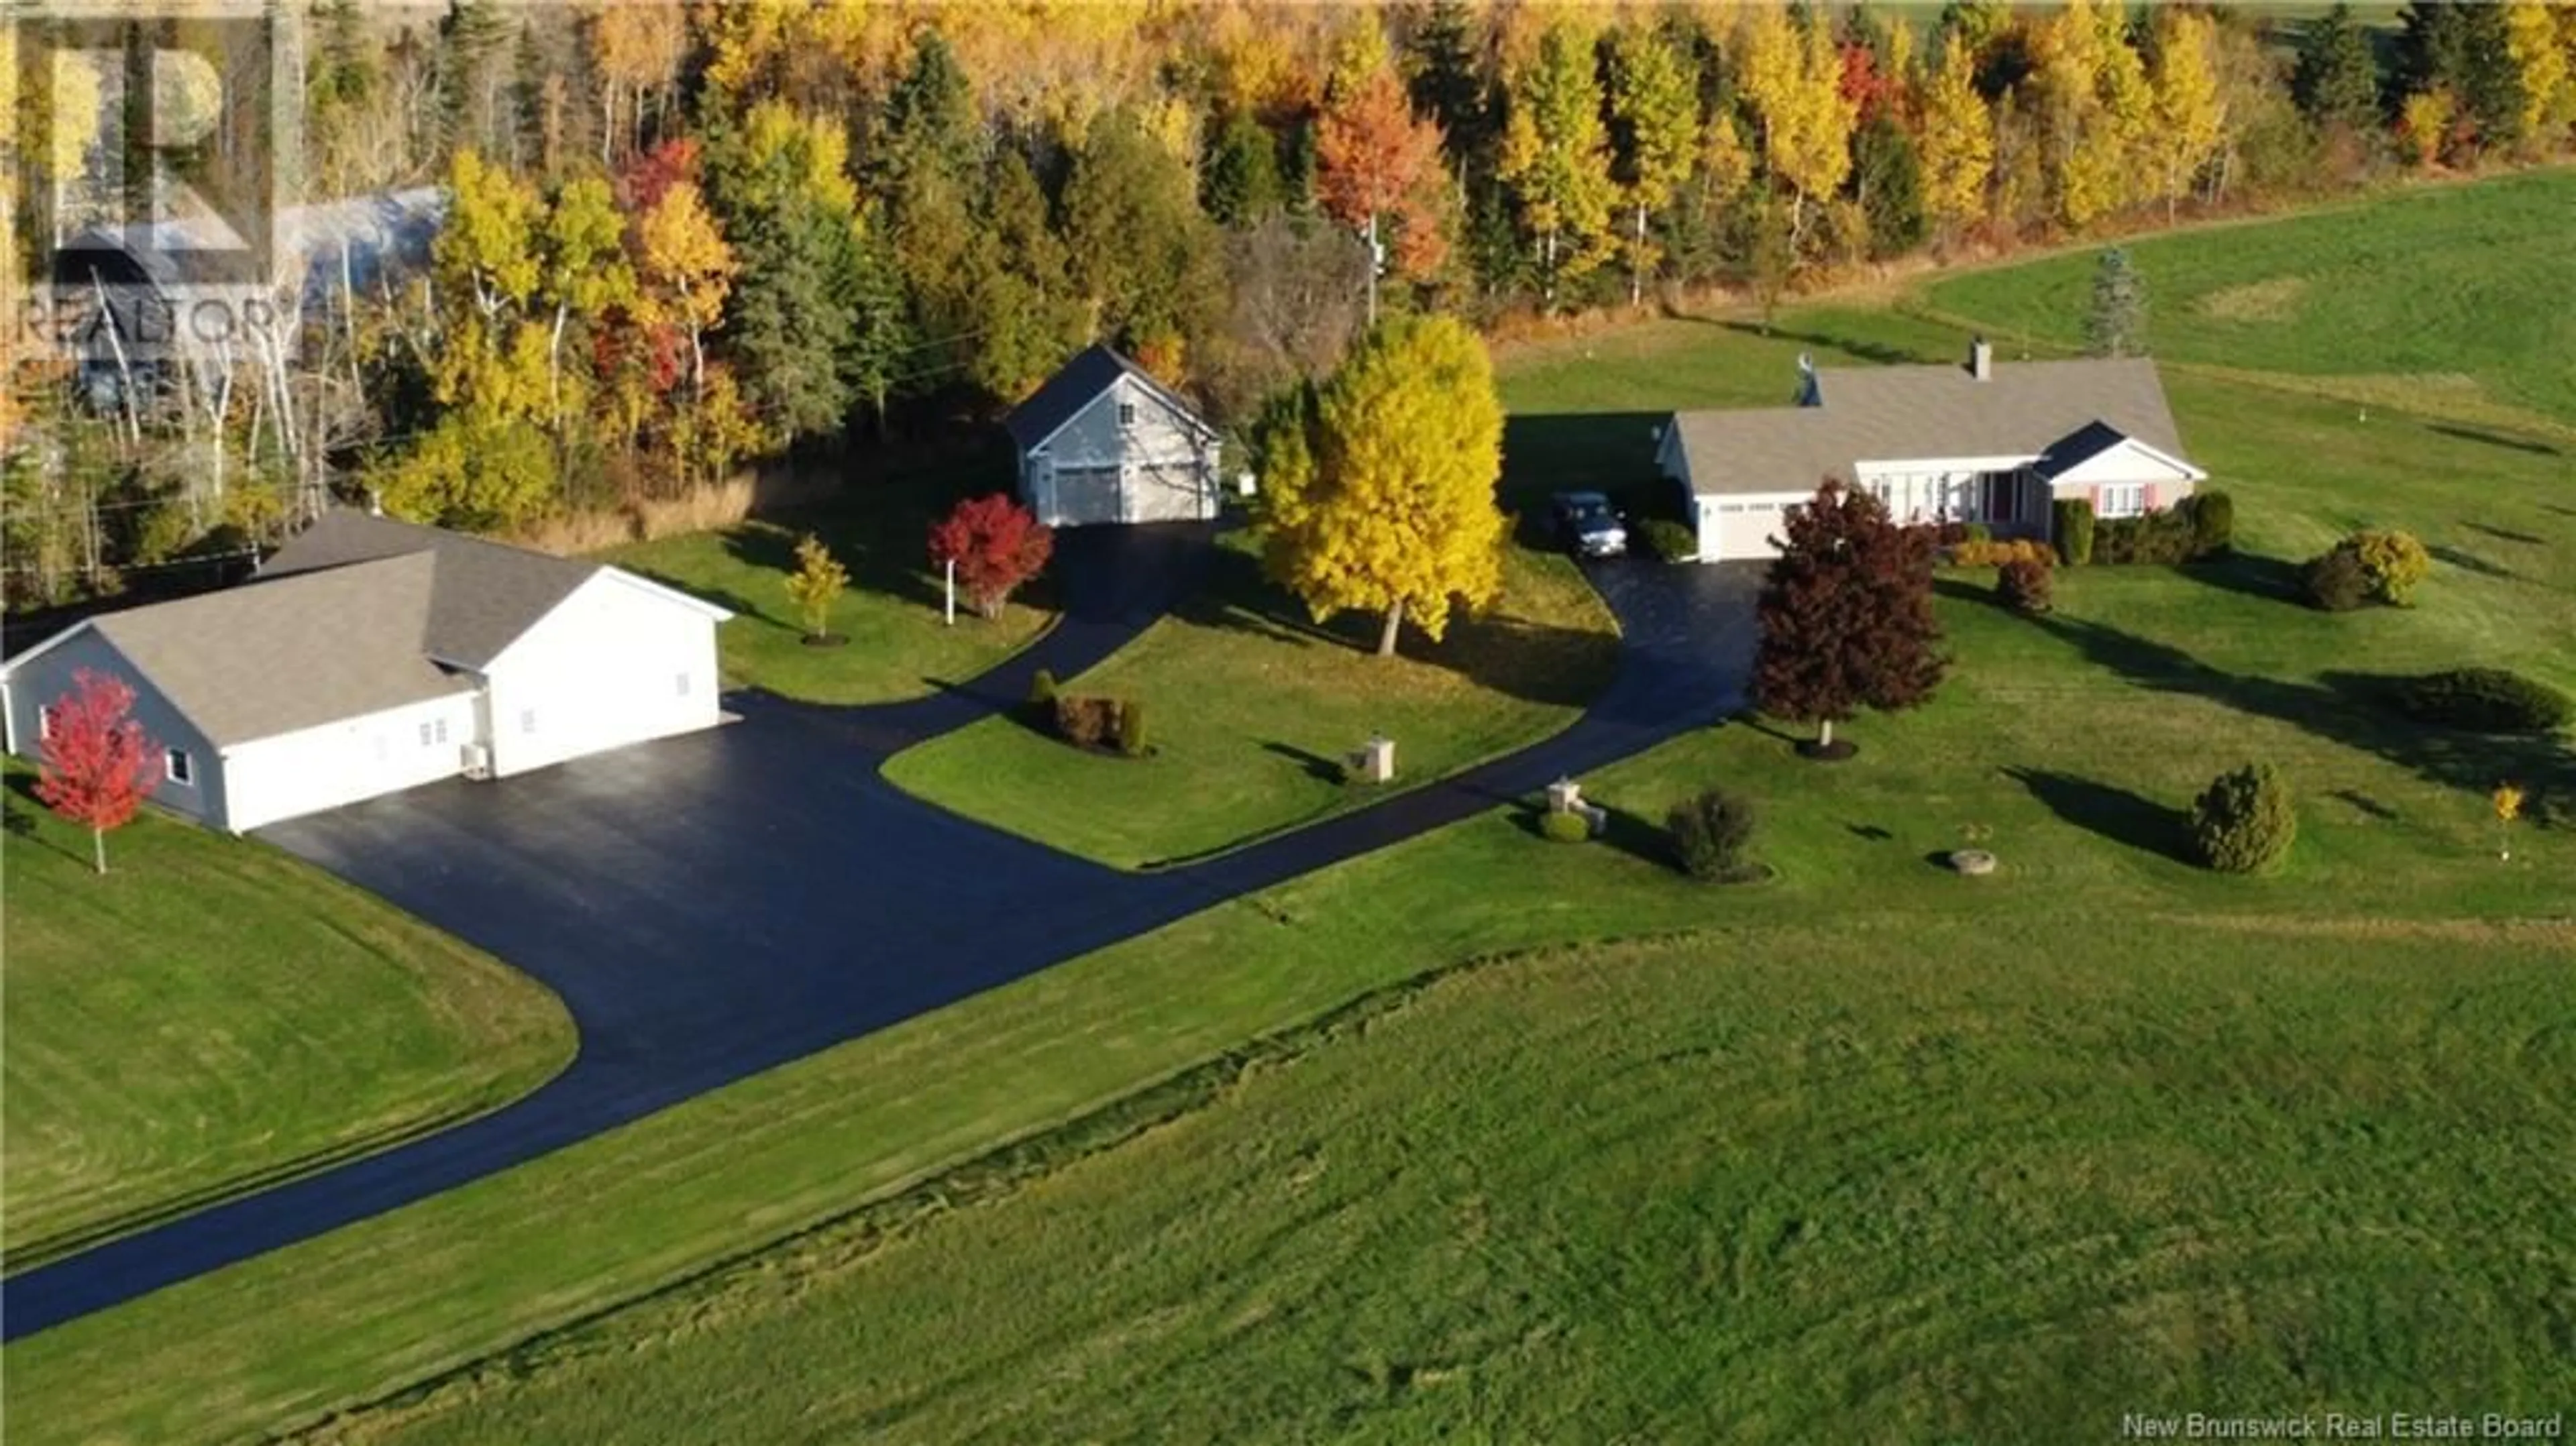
{"x": 952, "y": 592}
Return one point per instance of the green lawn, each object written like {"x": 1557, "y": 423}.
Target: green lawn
{"x": 897, "y": 644}
{"x": 2448, "y": 299}
{"x": 1250, "y": 709}
{"x": 214, "y": 1014}
{"x": 1869, "y": 1151}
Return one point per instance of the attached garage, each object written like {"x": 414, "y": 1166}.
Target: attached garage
{"x": 373, "y": 656}
{"x": 1735, "y": 528}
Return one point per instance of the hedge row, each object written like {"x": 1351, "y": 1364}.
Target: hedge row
{"x": 1102, "y": 724}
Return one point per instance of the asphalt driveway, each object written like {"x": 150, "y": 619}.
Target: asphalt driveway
{"x": 713, "y": 906}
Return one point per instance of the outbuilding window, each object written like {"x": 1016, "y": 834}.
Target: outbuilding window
{"x": 433, "y": 732}
{"x": 176, "y": 764}
{"x": 1126, "y": 414}
{"x": 527, "y": 720}
{"x": 45, "y": 722}
{"x": 681, "y": 683}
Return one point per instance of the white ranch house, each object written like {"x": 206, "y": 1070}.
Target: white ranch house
{"x": 371, "y": 656}
{"x": 1973, "y": 443}
{"x": 1104, "y": 442}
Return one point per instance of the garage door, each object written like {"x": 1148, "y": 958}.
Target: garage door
{"x": 1738, "y": 529}
{"x": 1085, "y": 495}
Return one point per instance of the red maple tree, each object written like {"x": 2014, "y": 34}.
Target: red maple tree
{"x": 1375, "y": 160}
{"x": 997, "y": 545}
{"x": 99, "y": 765}
{"x": 1846, "y": 615}
{"x": 655, "y": 171}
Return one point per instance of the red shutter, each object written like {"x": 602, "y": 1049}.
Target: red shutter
{"x": 2093, "y": 499}
{"x": 2151, "y": 504}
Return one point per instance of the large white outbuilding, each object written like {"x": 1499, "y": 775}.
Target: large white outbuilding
{"x": 1997, "y": 446}
{"x": 371, "y": 656}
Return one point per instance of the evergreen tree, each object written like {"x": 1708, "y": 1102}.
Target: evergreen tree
{"x": 1024, "y": 310}
{"x": 2336, "y": 83}
{"x": 1242, "y": 182}
{"x": 2467, "y": 50}
{"x": 930, "y": 115}
{"x": 2117, "y": 324}
{"x": 1142, "y": 252}
{"x": 1449, "y": 83}
{"x": 472, "y": 75}
{"x": 1888, "y": 180}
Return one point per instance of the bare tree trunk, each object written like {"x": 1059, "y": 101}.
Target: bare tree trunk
{"x": 1825, "y": 734}
{"x": 1394, "y": 624}
{"x": 1637, "y": 262}
{"x": 98, "y": 848}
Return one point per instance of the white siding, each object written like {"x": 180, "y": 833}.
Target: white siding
{"x": 615, "y": 663}
{"x": 311, "y": 769}
{"x": 38, "y": 682}
{"x": 1155, "y": 466}
{"x": 2126, "y": 463}
{"x": 1939, "y": 489}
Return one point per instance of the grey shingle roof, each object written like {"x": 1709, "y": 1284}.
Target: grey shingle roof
{"x": 253, "y": 662}
{"x": 485, "y": 594}
{"x": 1075, "y": 387}
{"x": 1884, "y": 414}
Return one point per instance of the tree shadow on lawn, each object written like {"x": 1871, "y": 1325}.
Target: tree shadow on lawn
{"x": 878, "y": 523}
{"x": 2349, "y": 709}
{"x": 1535, "y": 662}
{"x": 2493, "y": 439}
{"x": 1609, "y": 452}
{"x": 1870, "y": 351}
{"x": 2115, "y": 813}
{"x": 2250, "y": 573}
{"x": 19, "y": 808}
{"x": 2471, "y": 562}
{"x": 2506, "y": 534}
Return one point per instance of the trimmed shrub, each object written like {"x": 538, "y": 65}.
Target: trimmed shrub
{"x": 2025, "y": 585}
{"x": 1042, "y": 691}
{"x": 2395, "y": 561}
{"x": 1997, "y": 554}
{"x": 2074, "y": 518}
{"x": 2213, "y": 523}
{"x": 1672, "y": 541}
{"x": 1709, "y": 833}
{"x": 1131, "y": 727}
{"x": 2486, "y": 700}
{"x": 1564, "y": 827}
{"x": 1086, "y": 722}
{"x": 2335, "y": 580}
{"x": 2158, "y": 537}
{"x": 2244, "y": 823}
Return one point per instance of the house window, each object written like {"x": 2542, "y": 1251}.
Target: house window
{"x": 527, "y": 720}
{"x": 2125, "y": 499}
{"x": 1998, "y": 501}
{"x": 177, "y": 766}
{"x": 1126, "y": 414}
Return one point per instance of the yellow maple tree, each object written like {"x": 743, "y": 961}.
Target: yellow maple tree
{"x": 1958, "y": 140}
{"x": 1379, "y": 490}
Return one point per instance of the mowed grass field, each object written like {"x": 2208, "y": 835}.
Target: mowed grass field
{"x": 2445, "y": 300}
{"x": 1251, "y": 707}
{"x": 215, "y": 1014}
{"x": 1869, "y": 1151}
{"x": 896, "y": 644}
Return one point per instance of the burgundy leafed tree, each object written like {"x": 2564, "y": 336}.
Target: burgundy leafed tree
{"x": 997, "y": 545}
{"x": 99, "y": 766}
{"x": 1846, "y": 615}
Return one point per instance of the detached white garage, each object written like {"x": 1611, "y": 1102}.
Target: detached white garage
{"x": 372, "y": 656}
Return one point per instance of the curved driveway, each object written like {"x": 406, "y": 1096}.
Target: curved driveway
{"x": 713, "y": 906}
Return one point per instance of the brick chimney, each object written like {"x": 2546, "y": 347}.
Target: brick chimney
{"x": 1981, "y": 359}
